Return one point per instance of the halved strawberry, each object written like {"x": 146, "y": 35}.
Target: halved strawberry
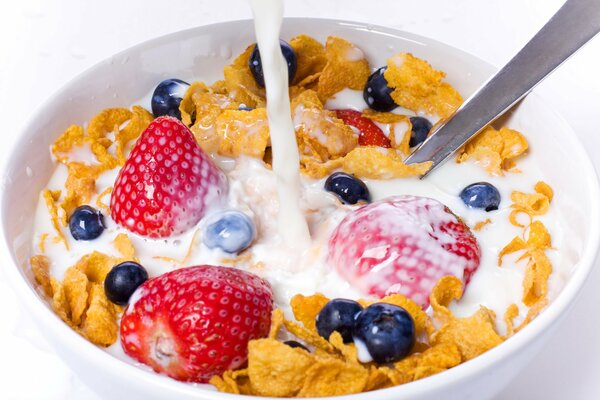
{"x": 404, "y": 245}
{"x": 370, "y": 134}
{"x": 194, "y": 323}
{"x": 167, "y": 183}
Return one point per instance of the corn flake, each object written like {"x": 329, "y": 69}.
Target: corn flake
{"x": 124, "y": 245}
{"x": 509, "y": 315}
{"x": 378, "y": 163}
{"x": 419, "y": 87}
{"x": 311, "y": 58}
{"x": 306, "y": 99}
{"x": 105, "y": 122}
{"x": 60, "y": 305}
{"x": 517, "y": 244}
{"x": 535, "y": 284}
{"x": 494, "y": 149}
{"x": 96, "y": 266}
{"x": 422, "y": 364}
{"x": 240, "y": 83}
{"x": 473, "y": 335}
{"x": 200, "y": 109}
{"x": 100, "y": 150}
{"x": 543, "y": 188}
{"x": 80, "y": 185}
{"x": 71, "y": 138}
{"x": 306, "y": 308}
{"x": 513, "y": 311}
{"x": 100, "y": 202}
{"x": 366, "y": 162}
{"x": 481, "y": 224}
{"x": 80, "y": 300}
{"x": 277, "y": 319}
{"x": 532, "y": 204}
{"x": 436, "y": 359}
{"x": 138, "y": 122}
{"x": 124, "y": 124}
{"x": 50, "y": 198}
{"x": 225, "y": 384}
{"x": 539, "y": 268}
{"x": 333, "y": 368}
{"x": 243, "y": 132}
{"x": 42, "y": 242}
{"x": 538, "y": 237}
{"x": 347, "y": 350}
{"x": 377, "y": 379}
{"x": 310, "y": 82}
{"x": 40, "y": 266}
{"x": 75, "y": 286}
{"x": 309, "y": 146}
{"x": 100, "y": 325}
{"x": 346, "y": 67}
{"x": 276, "y": 369}
{"x": 308, "y": 336}
{"x": 383, "y": 117}
{"x": 446, "y": 290}
{"x": 331, "y": 377}
{"x": 235, "y": 382}
{"x": 189, "y": 102}
{"x": 321, "y": 135}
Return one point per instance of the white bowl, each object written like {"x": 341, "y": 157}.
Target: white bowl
{"x": 200, "y": 53}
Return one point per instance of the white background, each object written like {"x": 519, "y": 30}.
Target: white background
{"x": 43, "y": 43}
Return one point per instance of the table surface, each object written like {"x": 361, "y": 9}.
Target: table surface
{"x": 45, "y": 43}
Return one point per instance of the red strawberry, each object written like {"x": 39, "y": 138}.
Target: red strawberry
{"x": 194, "y": 323}
{"x": 403, "y": 244}
{"x": 167, "y": 183}
{"x": 370, "y": 133}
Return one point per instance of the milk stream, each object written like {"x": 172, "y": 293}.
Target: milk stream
{"x": 268, "y": 15}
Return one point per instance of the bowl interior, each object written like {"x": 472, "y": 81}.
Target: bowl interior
{"x": 201, "y": 53}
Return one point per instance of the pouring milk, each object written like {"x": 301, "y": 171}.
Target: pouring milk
{"x": 268, "y": 15}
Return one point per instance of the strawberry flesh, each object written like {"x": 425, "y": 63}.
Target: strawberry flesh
{"x": 167, "y": 184}
{"x": 370, "y": 134}
{"x": 194, "y": 323}
{"x": 404, "y": 245}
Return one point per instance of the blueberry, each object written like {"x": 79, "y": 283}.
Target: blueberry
{"x": 122, "y": 280}
{"x": 349, "y": 189}
{"x": 86, "y": 223}
{"x": 481, "y": 195}
{"x": 244, "y": 107}
{"x": 420, "y": 128}
{"x": 377, "y": 92}
{"x": 167, "y": 96}
{"x": 388, "y": 332}
{"x": 338, "y": 315}
{"x": 293, "y": 344}
{"x": 256, "y": 66}
{"x": 231, "y": 231}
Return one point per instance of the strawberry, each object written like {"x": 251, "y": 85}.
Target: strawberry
{"x": 404, "y": 245}
{"x": 194, "y": 323}
{"x": 167, "y": 183}
{"x": 370, "y": 134}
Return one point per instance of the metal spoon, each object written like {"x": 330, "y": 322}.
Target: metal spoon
{"x": 569, "y": 29}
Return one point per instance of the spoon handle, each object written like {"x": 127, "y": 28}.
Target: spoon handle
{"x": 573, "y": 25}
